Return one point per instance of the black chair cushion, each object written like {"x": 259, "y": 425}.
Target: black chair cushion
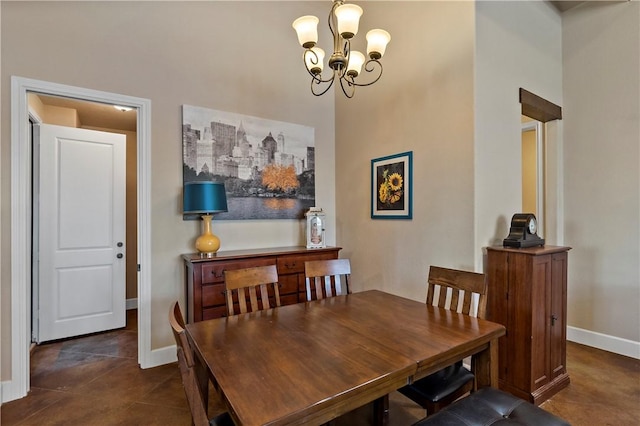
{"x": 440, "y": 384}
{"x": 490, "y": 406}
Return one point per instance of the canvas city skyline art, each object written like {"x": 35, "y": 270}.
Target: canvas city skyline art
{"x": 267, "y": 166}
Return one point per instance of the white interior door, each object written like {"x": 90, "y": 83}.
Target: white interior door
{"x": 81, "y": 225}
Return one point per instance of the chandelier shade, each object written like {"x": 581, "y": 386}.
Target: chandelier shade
{"x": 348, "y": 19}
{"x": 307, "y": 29}
{"x": 346, "y": 65}
{"x": 354, "y": 67}
{"x": 377, "y": 42}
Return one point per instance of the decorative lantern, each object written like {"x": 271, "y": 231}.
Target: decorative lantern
{"x": 315, "y": 228}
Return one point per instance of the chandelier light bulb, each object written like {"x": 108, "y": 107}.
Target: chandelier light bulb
{"x": 356, "y": 59}
{"x": 348, "y": 19}
{"x": 307, "y": 29}
{"x": 377, "y": 41}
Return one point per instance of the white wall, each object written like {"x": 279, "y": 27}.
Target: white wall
{"x": 518, "y": 44}
{"x": 423, "y": 103}
{"x": 172, "y": 53}
{"x": 601, "y": 53}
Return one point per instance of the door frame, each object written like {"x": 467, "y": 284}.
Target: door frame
{"x": 536, "y": 126}
{"x": 21, "y": 167}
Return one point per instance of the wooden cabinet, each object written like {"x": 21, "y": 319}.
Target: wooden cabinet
{"x": 527, "y": 293}
{"x": 204, "y": 277}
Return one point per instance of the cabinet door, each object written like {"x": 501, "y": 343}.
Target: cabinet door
{"x": 558, "y": 315}
{"x": 497, "y": 304}
{"x": 540, "y": 320}
{"x": 288, "y": 288}
{"x": 520, "y": 317}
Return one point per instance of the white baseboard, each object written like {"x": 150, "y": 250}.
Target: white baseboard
{"x": 162, "y": 356}
{"x": 605, "y": 342}
{"x": 9, "y": 391}
{"x": 132, "y": 304}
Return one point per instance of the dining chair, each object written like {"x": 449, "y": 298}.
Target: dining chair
{"x": 455, "y": 290}
{"x": 193, "y": 382}
{"x": 330, "y": 278}
{"x": 256, "y": 281}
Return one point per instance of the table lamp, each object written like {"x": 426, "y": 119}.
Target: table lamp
{"x": 205, "y": 198}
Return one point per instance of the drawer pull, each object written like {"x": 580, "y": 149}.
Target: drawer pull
{"x": 213, "y": 272}
{"x": 291, "y": 266}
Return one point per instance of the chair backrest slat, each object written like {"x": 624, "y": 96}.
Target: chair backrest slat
{"x": 327, "y": 278}
{"x": 464, "y": 282}
{"x": 257, "y": 281}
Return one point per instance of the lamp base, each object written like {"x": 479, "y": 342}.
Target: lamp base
{"x": 207, "y": 243}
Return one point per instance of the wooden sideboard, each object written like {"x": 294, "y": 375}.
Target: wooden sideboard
{"x": 204, "y": 277}
{"x": 527, "y": 293}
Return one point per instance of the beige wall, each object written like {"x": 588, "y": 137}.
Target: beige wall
{"x": 423, "y": 103}
{"x": 601, "y": 52}
{"x": 172, "y": 53}
{"x": 518, "y": 45}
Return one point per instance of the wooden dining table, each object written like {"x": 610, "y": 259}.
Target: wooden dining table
{"x": 312, "y": 362}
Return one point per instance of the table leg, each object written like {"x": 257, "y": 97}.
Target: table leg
{"x": 381, "y": 411}
{"x": 485, "y": 366}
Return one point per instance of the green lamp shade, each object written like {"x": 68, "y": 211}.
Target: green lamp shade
{"x": 204, "y": 198}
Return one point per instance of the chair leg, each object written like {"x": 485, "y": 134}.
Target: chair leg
{"x": 202, "y": 377}
{"x": 434, "y": 407}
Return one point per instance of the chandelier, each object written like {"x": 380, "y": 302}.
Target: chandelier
{"x": 346, "y": 64}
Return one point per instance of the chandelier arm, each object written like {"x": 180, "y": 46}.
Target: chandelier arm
{"x": 347, "y": 54}
{"x": 332, "y": 21}
{"x": 315, "y": 76}
{"x": 350, "y": 83}
{"x": 316, "y": 82}
{"x": 369, "y": 67}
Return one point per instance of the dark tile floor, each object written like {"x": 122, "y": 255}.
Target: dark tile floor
{"x": 95, "y": 380}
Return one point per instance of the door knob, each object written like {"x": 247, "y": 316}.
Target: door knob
{"x": 119, "y": 255}
{"x": 119, "y": 244}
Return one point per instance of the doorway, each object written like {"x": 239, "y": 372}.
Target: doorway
{"x": 84, "y": 184}
{"x": 543, "y": 117}
{"x": 533, "y": 170}
{"x": 21, "y": 234}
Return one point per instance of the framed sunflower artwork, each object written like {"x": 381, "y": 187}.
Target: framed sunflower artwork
{"x": 391, "y": 186}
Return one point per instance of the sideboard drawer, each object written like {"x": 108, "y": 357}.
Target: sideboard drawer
{"x": 214, "y": 272}
{"x": 295, "y": 264}
{"x": 213, "y": 295}
{"x": 215, "y": 312}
